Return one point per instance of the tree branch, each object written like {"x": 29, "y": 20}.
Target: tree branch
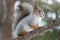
{"x": 34, "y": 33}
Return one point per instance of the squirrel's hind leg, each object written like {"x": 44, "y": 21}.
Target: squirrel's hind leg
{"x": 22, "y": 33}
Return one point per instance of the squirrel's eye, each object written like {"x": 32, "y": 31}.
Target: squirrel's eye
{"x": 39, "y": 11}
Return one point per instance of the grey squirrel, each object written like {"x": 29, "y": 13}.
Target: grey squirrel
{"x": 20, "y": 11}
{"x": 30, "y": 22}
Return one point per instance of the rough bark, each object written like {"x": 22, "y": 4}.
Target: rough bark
{"x": 5, "y": 27}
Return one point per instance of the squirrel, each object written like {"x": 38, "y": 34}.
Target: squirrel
{"x": 30, "y": 22}
{"x": 20, "y": 11}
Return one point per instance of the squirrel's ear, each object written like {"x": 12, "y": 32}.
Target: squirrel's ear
{"x": 35, "y": 5}
{"x": 42, "y": 6}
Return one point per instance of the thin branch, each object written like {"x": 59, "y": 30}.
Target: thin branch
{"x": 34, "y": 33}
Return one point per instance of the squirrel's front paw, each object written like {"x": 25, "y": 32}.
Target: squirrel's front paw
{"x": 35, "y": 27}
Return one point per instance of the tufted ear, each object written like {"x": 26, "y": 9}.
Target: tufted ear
{"x": 42, "y": 6}
{"x": 35, "y": 6}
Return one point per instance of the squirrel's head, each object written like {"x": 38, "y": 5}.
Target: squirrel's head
{"x": 38, "y": 11}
